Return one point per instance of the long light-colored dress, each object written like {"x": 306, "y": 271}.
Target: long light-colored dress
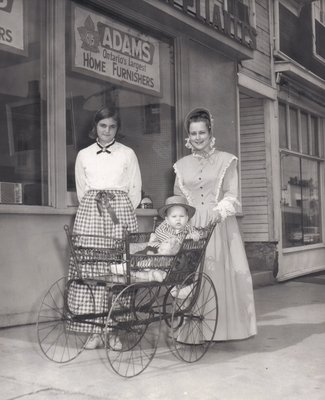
{"x": 210, "y": 183}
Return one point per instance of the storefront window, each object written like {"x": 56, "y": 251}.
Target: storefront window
{"x": 314, "y": 137}
{"x": 114, "y": 61}
{"x": 240, "y": 9}
{"x": 283, "y": 127}
{"x": 300, "y": 190}
{"x": 294, "y": 129}
{"x": 23, "y": 144}
{"x": 304, "y": 133}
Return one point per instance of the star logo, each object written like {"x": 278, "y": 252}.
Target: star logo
{"x": 89, "y": 36}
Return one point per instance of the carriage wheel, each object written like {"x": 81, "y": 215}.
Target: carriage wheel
{"x": 132, "y": 330}
{"x": 57, "y": 329}
{"x": 168, "y": 304}
{"x": 197, "y": 302}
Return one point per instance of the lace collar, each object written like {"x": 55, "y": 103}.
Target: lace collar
{"x": 203, "y": 155}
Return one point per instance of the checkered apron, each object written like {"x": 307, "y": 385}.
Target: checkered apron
{"x": 89, "y": 222}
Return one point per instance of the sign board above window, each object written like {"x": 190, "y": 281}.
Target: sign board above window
{"x": 106, "y": 49}
{"x": 232, "y": 18}
{"x": 12, "y": 34}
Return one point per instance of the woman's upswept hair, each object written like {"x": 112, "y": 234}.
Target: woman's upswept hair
{"x": 198, "y": 115}
{"x": 110, "y": 111}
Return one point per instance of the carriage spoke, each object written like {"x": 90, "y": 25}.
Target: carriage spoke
{"x": 59, "y": 337}
{"x": 139, "y": 334}
{"x": 193, "y": 337}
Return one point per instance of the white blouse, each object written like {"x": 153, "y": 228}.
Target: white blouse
{"x": 118, "y": 170}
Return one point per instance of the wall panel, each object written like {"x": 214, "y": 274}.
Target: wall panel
{"x": 254, "y": 224}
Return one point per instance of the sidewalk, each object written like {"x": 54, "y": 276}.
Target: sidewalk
{"x": 285, "y": 361}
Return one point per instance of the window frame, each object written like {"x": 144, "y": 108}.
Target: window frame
{"x": 320, "y": 159}
{"x": 251, "y": 5}
{"x": 51, "y": 74}
{"x": 60, "y": 201}
{"x": 142, "y": 24}
{"x": 317, "y": 14}
{"x": 292, "y": 6}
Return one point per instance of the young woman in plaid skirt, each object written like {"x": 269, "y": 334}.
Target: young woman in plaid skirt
{"x": 108, "y": 183}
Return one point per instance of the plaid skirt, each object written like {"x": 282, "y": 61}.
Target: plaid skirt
{"x": 89, "y": 221}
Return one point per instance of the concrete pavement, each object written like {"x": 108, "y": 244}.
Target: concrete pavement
{"x": 286, "y": 360}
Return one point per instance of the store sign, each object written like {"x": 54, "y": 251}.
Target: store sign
{"x": 109, "y": 50}
{"x": 212, "y": 13}
{"x": 12, "y": 36}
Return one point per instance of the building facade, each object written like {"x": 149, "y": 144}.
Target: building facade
{"x": 261, "y": 76}
{"x": 282, "y": 139}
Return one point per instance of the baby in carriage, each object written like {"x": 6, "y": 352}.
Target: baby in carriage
{"x": 165, "y": 241}
{"x": 169, "y": 235}
{"x": 174, "y": 229}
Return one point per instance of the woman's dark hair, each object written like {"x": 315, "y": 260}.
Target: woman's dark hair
{"x": 104, "y": 112}
{"x": 198, "y": 115}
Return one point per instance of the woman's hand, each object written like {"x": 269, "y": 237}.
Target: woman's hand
{"x": 216, "y": 216}
{"x": 194, "y": 236}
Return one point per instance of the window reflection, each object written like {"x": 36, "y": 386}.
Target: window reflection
{"x": 283, "y": 126}
{"x": 314, "y": 136}
{"x": 23, "y": 145}
{"x": 300, "y": 201}
{"x": 311, "y": 204}
{"x": 291, "y": 201}
{"x": 147, "y": 121}
{"x": 294, "y": 129}
{"x": 304, "y": 133}
{"x": 300, "y": 184}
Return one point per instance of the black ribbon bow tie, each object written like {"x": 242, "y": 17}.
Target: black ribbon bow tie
{"x": 104, "y": 149}
{"x": 103, "y": 202}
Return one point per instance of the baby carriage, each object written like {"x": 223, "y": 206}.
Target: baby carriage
{"x": 129, "y": 295}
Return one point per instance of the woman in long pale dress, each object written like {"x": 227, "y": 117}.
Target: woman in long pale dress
{"x": 208, "y": 179}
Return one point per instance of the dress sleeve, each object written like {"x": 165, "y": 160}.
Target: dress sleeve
{"x": 229, "y": 203}
{"x": 177, "y": 188}
{"x": 80, "y": 178}
{"x": 135, "y": 182}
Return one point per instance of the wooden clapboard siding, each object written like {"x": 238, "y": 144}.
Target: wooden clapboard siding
{"x": 260, "y": 66}
{"x": 254, "y": 139}
{"x": 250, "y": 191}
{"x": 256, "y": 237}
{"x": 253, "y": 183}
{"x": 254, "y": 224}
{"x": 254, "y": 156}
{"x": 251, "y": 165}
{"x": 262, "y": 210}
{"x": 258, "y": 218}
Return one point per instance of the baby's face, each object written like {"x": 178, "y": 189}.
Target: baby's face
{"x": 177, "y": 217}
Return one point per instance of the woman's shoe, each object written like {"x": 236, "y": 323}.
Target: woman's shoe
{"x": 93, "y": 342}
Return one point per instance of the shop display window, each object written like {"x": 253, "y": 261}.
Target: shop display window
{"x": 314, "y": 141}
{"x": 294, "y": 129}
{"x": 283, "y": 127}
{"x": 300, "y": 180}
{"x": 318, "y": 18}
{"x": 304, "y": 133}
{"x": 23, "y": 142}
{"x": 109, "y": 61}
{"x": 240, "y": 9}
